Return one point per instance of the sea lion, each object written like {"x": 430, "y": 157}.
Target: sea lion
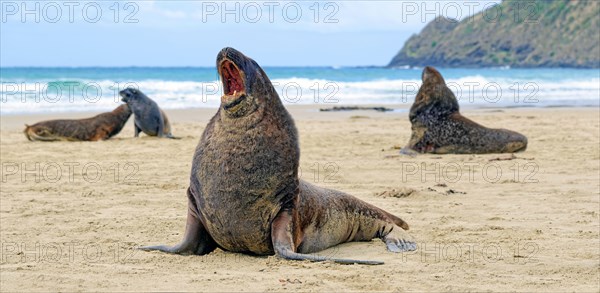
{"x": 438, "y": 127}
{"x": 149, "y": 118}
{"x": 245, "y": 195}
{"x": 99, "y": 127}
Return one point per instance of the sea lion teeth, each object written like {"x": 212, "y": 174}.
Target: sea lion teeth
{"x": 438, "y": 127}
{"x": 245, "y": 194}
{"x": 99, "y": 127}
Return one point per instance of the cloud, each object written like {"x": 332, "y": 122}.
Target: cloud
{"x": 316, "y": 16}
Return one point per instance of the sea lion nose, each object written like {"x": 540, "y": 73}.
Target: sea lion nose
{"x": 229, "y": 53}
{"x": 428, "y": 72}
{"x": 223, "y": 53}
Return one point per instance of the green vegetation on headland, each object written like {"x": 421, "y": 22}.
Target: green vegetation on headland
{"x": 542, "y": 33}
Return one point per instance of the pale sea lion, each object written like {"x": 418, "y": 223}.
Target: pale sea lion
{"x": 99, "y": 127}
{"x": 149, "y": 118}
{"x": 438, "y": 127}
{"x": 245, "y": 194}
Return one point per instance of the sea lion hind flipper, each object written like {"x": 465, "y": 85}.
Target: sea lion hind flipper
{"x": 169, "y": 135}
{"x": 397, "y": 220}
{"x": 398, "y": 241}
{"x": 281, "y": 235}
{"x": 196, "y": 240}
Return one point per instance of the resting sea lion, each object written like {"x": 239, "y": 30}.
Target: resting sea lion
{"x": 149, "y": 118}
{"x": 99, "y": 127}
{"x": 438, "y": 127}
{"x": 245, "y": 194}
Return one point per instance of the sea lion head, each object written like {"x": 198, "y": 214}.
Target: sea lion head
{"x": 431, "y": 75}
{"x": 39, "y": 132}
{"x": 434, "y": 98}
{"x": 246, "y": 87}
{"x": 131, "y": 95}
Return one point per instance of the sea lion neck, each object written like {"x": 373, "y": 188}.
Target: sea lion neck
{"x": 434, "y": 99}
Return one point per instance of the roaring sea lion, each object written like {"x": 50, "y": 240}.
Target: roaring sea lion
{"x": 99, "y": 127}
{"x": 149, "y": 118}
{"x": 438, "y": 127}
{"x": 245, "y": 195}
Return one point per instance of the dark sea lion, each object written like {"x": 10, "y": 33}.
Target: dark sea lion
{"x": 149, "y": 118}
{"x": 438, "y": 127}
{"x": 245, "y": 194}
{"x": 99, "y": 127}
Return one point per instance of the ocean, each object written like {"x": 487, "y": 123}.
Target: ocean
{"x": 44, "y": 90}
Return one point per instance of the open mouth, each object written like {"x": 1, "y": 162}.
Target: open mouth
{"x": 233, "y": 84}
{"x": 124, "y": 96}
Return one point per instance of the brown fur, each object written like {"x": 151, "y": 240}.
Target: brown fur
{"x": 438, "y": 127}
{"x": 328, "y": 217}
{"x": 245, "y": 195}
{"x": 99, "y": 127}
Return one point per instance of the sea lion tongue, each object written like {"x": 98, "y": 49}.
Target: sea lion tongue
{"x": 232, "y": 78}
{"x": 232, "y": 67}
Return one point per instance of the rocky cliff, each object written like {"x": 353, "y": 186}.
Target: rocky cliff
{"x": 555, "y": 33}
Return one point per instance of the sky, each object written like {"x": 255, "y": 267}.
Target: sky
{"x": 191, "y": 33}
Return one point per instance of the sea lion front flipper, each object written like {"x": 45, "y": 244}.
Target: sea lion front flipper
{"x": 169, "y": 135}
{"x": 408, "y": 151}
{"x": 196, "y": 240}
{"x": 137, "y": 130}
{"x": 161, "y": 125}
{"x": 281, "y": 235}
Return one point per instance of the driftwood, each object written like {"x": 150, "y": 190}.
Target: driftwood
{"x": 355, "y": 108}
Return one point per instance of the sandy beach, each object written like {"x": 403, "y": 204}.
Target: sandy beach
{"x": 71, "y": 213}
